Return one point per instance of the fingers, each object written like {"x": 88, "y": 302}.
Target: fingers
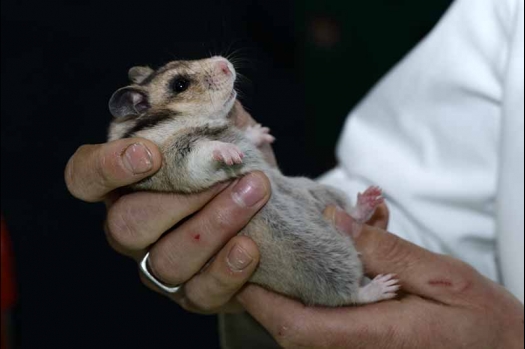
{"x": 212, "y": 291}
{"x": 230, "y": 270}
{"x": 137, "y": 220}
{"x": 95, "y": 170}
{"x": 420, "y": 271}
{"x": 181, "y": 254}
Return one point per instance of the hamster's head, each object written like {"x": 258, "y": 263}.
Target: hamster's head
{"x": 202, "y": 88}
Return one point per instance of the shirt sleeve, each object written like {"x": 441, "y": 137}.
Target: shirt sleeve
{"x": 510, "y": 202}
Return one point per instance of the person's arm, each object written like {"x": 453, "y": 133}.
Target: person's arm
{"x": 447, "y": 304}
{"x": 510, "y": 207}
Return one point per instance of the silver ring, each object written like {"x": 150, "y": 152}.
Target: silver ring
{"x": 145, "y": 270}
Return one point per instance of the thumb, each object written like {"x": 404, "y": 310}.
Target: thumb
{"x": 96, "y": 170}
{"x": 420, "y": 271}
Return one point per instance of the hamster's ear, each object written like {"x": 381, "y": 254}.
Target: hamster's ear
{"x": 128, "y": 101}
{"x": 139, "y": 74}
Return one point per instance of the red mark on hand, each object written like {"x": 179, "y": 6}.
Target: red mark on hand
{"x": 444, "y": 283}
{"x": 197, "y": 237}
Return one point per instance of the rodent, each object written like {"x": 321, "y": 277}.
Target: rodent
{"x": 185, "y": 108}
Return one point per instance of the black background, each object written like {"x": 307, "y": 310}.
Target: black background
{"x": 60, "y": 63}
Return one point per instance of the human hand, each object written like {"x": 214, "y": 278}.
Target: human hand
{"x": 206, "y": 223}
{"x": 447, "y": 304}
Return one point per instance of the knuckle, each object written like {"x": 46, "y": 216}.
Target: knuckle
{"x": 102, "y": 167}
{"x": 113, "y": 243}
{"x": 122, "y": 225}
{"x": 119, "y": 228}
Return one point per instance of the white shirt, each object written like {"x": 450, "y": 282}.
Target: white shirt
{"x": 443, "y": 135}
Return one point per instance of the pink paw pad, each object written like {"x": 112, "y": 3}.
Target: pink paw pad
{"x": 259, "y": 135}
{"x": 229, "y": 154}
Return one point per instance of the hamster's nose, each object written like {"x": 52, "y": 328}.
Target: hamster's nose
{"x": 223, "y": 68}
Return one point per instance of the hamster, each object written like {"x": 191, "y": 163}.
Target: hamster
{"x": 185, "y": 108}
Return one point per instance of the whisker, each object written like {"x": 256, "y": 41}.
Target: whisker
{"x": 208, "y": 73}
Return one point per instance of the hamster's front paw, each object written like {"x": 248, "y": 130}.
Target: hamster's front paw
{"x": 227, "y": 153}
{"x": 259, "y": 135}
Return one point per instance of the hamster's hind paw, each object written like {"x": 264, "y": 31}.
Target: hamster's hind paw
{"x": 259, "y": 135}
{"x": 367, "y": 204}
{"x": 227, "y": 153}
{"x": 371, "y": 198}
{"x": 383, "y": 287}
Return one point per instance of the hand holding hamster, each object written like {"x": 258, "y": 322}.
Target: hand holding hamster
{"x": 447, "y": 304}
{"x": 185, "y": 108}
{"x": 164, "y": 224}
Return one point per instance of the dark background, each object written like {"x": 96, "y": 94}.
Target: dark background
{"x": 307, "y": 63}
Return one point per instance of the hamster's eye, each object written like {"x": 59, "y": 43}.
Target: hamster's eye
{"x": 180, "y": 84}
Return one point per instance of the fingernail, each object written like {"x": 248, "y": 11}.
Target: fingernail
{"x": 238, "y": 259}
{"x": 346, "y": 224}
{"x": 250, "y": 190}
{"x": 137, "y": 159}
